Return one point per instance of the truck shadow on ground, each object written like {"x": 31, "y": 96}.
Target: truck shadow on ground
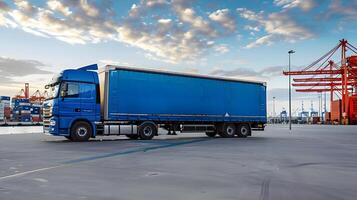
{"x": 159, "y": 139}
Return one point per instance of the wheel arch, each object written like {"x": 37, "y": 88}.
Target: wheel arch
{"x": 149, "y": 122}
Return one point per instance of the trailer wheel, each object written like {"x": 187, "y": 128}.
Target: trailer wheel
{"x": 81, "y": 131}
{"x": 229, "y": 130}
{"x": 244, "y": 130}
{"x": 211, "y": 134}
{"x": 147, "y": 131}
{"x": 132, "y": 136}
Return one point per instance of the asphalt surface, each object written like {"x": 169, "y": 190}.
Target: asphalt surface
{"x": 312, "y": 162}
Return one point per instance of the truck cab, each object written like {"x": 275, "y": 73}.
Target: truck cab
{"x": 74, "y": 104}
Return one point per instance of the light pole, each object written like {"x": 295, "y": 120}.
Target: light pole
{"x": 274, "y": 114}
{"x": 290, "y": 52}
{"x": 320, "y": 104}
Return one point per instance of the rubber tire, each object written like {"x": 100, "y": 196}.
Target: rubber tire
{"x": 211, "y": 134}
{"x": 226, "y": 128}
{"x": 74, "y": 131}
{"x": 144, "y": 126}
{"x": 244, "y": 130}
{"x": 132, "y": 136}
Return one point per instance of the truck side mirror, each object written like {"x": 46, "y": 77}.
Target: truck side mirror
{"x": 63, "y": 92}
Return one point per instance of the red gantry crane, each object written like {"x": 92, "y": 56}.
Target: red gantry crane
{"x": 24, "y": 93}
{"x": 37, "y": 97}
{"x": 339, "y": 79}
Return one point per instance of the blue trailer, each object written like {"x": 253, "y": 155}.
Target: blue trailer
{"x": 138, "y": 102}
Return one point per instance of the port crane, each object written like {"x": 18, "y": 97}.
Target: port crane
{"x": 37, "y": 96}
{"x": 337, "y": 78}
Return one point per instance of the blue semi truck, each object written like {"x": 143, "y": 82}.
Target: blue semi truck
{"x": 137, "y": 102}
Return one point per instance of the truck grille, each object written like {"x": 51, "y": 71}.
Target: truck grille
{"x": 47, "y": 114}
{"x": 47, "y": 111}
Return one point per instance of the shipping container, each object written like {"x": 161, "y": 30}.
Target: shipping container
{"x": 5, "y": 98}
{"x": 327, "y": 117}
{"x": 353, "y": 109}
{"x": 336, "y": 112}
{"x": 2, "y": 111}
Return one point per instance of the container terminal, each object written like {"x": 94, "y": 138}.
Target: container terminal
{"x": 131, "y": 133}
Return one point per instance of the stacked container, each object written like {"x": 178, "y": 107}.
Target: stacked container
{"x": 36, "y": 113}
{"x": 2, "y": 112}
{"x": 336, "y": 111}
{"x": 7, "y": 113}
{"x": 21, "y": 110}
{"x": 5, "y": 110}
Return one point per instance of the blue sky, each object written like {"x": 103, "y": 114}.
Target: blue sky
{"x": 244, "y": 39}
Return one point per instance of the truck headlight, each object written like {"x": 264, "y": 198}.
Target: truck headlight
{"x": 53, "y": 123}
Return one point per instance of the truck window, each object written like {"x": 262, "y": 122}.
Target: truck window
{"x": 87, "y": 90}
{"x": 69, "y": 89}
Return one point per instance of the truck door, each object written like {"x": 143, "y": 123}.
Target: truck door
{"x": 69, "y": 103}
{"x": 88, "y": 101}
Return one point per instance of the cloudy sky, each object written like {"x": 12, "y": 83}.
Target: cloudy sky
{"x": 246, "y": 38}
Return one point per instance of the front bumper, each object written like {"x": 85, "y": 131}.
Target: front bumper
{"x": 50, "y": 126}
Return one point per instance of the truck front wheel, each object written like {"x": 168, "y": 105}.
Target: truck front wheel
{"x": 147, "y": 131}
{"x": 81, "y": 131}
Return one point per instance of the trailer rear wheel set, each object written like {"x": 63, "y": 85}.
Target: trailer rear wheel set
{"x": 229, "y": 130}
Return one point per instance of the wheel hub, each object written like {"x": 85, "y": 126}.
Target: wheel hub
{"x": 147, "y": 131}
{"x": 244, "y": 131}
{"x": 230, "y": 130}
{"x": 81, "y": 131}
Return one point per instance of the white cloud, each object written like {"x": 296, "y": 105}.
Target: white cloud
{"x": 15, "y": 72}
{"x": 164, "y": 21}
{"x": 252, "y": 28}
{"x": 85, "y": 25}
{"x": 56, "y": 5}
{"x": 264, "y": 74}
{"x": 198, "y": 24}
{"x": 168, "y": 40}
{"x": 305, "y": 5}
{"x": 222, "y": 48}
{"x": 181, "y": 34}
{"x": 113, "y": 62}
{"x": 278, "y": 27}
{"x": 346, "y": 10}
{"x": 156, "y": 3}
{"x": 89, "y": 9}
{"x": 224, "y": 18}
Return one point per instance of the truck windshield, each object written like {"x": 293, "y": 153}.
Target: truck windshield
{"x": 53, "y": 91}
{"x": 53, "y": 86}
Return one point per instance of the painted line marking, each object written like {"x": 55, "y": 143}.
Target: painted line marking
{"x": 29, "y": 172}
{"x": 108, "y": 155}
